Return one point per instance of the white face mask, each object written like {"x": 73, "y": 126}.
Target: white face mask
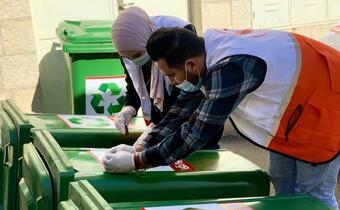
{"x": 188, "y": 86}
{"x": 141, "y": 60}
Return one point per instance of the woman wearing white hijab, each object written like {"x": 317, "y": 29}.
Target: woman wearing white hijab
{"x": 146, "y": 86}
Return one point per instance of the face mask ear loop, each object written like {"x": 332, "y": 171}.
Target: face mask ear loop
{"x": 199, "y": 74}
{"x": 186, "y": 71}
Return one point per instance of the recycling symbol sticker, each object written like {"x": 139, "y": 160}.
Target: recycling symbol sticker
{"x": 87, "y": 121}
{"x": 105, "y": 95}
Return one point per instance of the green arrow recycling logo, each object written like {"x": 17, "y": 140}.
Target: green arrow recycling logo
{"x": 90, "y": 122}
{"x": 107, "y": 98}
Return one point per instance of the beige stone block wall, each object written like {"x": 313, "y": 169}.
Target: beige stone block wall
{"x": 241, "y": 14}
{"x": 19, "y": 71}
{"x": 1, "y": 46}
{"x": 211, "y": 14}
{"x": 237, "y": 14}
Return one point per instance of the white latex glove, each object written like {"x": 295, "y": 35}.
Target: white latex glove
{"x": 123, "y": 118}
{"x": 144, "y": 135}
{"x": 121, "y": 147}
{"x": 119, "y": 162}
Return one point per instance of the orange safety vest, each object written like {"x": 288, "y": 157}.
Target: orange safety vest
{"x": 310, "y": 127}
{"x": 296, "y": 110}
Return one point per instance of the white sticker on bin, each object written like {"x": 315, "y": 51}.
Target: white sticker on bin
{"x": 180, "y": 165}
{"x": 104, "y": 95}
{"x": 87, "y": 121}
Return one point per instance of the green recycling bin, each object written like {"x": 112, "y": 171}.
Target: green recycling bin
{"x": 86, "y": 131}
{"x": 259, "y": 203}
{"x": 35, "y": 193}
{"x": 16, "y": 131}
{"x": 97, "y": 77}
{"x": 82, "y": 195}
{"x": 73, "y": 130}
{"x": 204, "y": 174}
{"x": 9, "y": 162}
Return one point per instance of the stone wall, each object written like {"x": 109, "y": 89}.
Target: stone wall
{"x": 237, "y": 14}
{"x": 18, "y": 64}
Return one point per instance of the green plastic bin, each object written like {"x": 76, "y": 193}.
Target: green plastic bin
{"x": 9, "y": 162}
{"x": 36, "y": 192}
{"x": 19, "y": 120}
{"x": 16, "y": 131}
{"x": 216, "y": 174}
{"x": 82, "y": 196}
{"x": 72, "y": 130}
{"x": 260, "y": 203}
{"x": 105, "y": 135}
{"x": 96, "y": 74}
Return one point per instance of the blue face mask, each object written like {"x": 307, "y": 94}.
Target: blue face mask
{"x": 188, "y": 86}
{"x": 142, "y": 59}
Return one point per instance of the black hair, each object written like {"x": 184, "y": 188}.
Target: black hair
{"x": 174, "y": 45}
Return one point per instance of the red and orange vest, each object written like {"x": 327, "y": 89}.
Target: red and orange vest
{"x": 296, "y": 110}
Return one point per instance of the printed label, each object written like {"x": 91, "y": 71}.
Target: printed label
{"x": 104, "y": 95}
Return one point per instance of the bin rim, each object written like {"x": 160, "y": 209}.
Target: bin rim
{"x": 85, "y": 36}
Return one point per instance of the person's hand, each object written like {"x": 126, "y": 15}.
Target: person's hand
{"x": 119, "y": 162}
{"x": 122, "y": 147}
{"x": 123, "y": 118}
{"x": 138, "y": 144}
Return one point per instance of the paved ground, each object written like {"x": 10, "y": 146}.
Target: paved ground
{"x": 232, "y": 141}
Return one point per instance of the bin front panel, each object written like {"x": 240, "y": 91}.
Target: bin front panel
{"x": 8, "y": 161}
{"x": 260, "y": 203}
{"x": 23, "y": 127}
{"x": 98, "y": 84}
{"x": 59, "y": 166}
{"x": 83, "y": 188}
{"x": 79, "y": 131}
{"x": 35, "y": 188}
{"x": 93, "y": 63}
{"x": 68, "y": 205}
{"x": 84, "y": 195}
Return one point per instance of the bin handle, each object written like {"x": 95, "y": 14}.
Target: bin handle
{"x": 8, "y": 160}
{"x": 66, "y": 32}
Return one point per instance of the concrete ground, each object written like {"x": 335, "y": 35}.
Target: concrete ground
{"x": 235, "y": 143}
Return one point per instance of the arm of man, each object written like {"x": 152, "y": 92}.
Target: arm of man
{"x": 228, "y": 82}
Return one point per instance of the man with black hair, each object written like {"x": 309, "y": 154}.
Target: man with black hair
{"x": 281, "y": 91}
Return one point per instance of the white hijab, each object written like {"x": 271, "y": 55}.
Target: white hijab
{"x": 131, "y": 31}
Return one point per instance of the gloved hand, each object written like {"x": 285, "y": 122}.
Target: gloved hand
{"x": 119, "y": 162}
{"x": 121, "y": 147}
{"x": 123, "y": 118}
{"x": 138, "y": 143}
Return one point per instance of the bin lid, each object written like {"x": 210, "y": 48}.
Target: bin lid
{"x": 86, "y": 36}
